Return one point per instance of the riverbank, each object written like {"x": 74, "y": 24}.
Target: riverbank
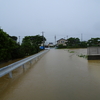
{"x": 3, "y": 64}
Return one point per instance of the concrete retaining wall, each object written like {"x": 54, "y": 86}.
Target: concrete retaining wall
{"x": 93, "y": 53}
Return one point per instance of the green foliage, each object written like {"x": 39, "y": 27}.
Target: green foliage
{"x": 75, "y": 43}
{"x": 4, "y": 41}
{"x": 13, "y": 37}
{"x": 60, "y": 46}
{"x": 9, "y": 49}
{"x": 71, "y": 51}
{"x": 30, "y": 44}
{"x": 17, "y": 52}
{"x": 6, "y": 46}
{"x": 84, "y": 56}
{"x": 27, "y": 47}
{"x": 94, "y": 42}
{"x": 83, "y": 44}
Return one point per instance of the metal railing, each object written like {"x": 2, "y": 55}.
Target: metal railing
{"x": 8, "y": 69}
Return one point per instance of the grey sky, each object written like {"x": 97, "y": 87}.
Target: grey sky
{"x": 55, "y": 17}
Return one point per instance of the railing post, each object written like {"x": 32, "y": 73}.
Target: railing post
{"x": 10, "y": 74}
{"x": 20, "y": 63}
{"x": 31, "y": 62}
{"x": 23, "y": 67}
{"x": 35, "y": 59}
{"x": 39, "y": 57}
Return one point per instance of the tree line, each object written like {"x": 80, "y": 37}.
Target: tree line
{"x": 10, "y": 49}
{"x": 76, "y": 43}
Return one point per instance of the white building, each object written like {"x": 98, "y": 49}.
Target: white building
{"x": 61, "y": 41}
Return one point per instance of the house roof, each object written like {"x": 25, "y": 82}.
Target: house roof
{"x": 50, "y": 43}
{"x": 61, "y": 39}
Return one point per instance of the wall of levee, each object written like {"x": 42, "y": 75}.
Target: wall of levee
{"x": 93, "y": 53}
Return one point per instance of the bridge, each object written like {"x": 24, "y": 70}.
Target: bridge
{"x": 58, "y": 75}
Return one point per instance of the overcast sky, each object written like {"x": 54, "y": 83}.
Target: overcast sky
{"x": 55, "y": 17}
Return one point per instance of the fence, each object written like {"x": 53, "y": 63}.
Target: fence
{"x": 8, "y": 69}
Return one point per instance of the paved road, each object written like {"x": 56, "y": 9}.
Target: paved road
{"x": 58, "y": 75}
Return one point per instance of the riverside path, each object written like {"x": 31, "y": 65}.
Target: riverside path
{"x": 58, "y": 75}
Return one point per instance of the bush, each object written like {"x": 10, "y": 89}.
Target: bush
{"x": 60, "y": 46}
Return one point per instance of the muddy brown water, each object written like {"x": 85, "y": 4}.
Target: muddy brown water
{"x": 58, "y": 75}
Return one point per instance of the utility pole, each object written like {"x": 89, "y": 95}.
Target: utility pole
{"x": 55, "y": 40}
{"x": 43, "y": 38}
{"x": 19, "y": 40}
{"x": 67, "y": 36}
{"x": 81, "y": 37}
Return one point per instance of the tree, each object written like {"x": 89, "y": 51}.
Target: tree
{"x": 14, "y": 38}
{"x": 94, "y": 42}
{"x": 31, "y": 44}
{"x": 73, "y": 42}
{"x": 27, "y": 46}
{"x": 4, "y": 48}
{"x": 37, "y": 41}
{"x": 83, "y": 44}
{"x": 9, "y": 49}
{"x": 61, "y": 46}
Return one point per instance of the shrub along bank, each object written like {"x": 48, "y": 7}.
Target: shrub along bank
{"x": 10, "y": 49}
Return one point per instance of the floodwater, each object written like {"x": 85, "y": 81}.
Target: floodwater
{"x": 58, "y": 75}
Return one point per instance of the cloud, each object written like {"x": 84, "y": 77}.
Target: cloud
{"x": 54, "y": 17}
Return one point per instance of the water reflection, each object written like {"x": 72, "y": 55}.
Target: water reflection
{"x": 94, "y": 68}
{"x": 80, "y": 51}
{"x": 5, "y": 81}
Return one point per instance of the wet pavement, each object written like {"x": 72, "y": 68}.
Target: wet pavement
{"x": 58, "y": 75}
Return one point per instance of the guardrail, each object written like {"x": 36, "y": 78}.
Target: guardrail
{"x": 8, "y": 69}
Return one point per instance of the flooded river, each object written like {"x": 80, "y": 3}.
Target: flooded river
{"x": 58, "y": 75}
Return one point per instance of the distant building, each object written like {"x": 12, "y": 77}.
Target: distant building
{"x": 62, "y": 41}
{"x": 50, "y": 44}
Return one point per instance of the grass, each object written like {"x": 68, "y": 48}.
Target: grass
{"x": 71, "y": 51}
{"x": 84, "y": 56}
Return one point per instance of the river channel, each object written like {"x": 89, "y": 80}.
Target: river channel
{"x": 58, "y": 75}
